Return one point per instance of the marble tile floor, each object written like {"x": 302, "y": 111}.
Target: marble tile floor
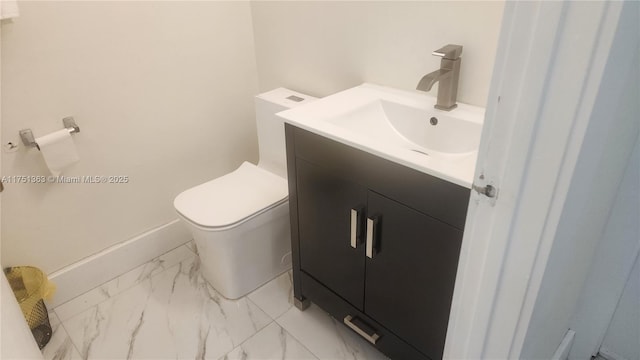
{"x": 166, "y": 310}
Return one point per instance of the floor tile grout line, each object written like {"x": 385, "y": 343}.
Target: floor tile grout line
{"x": 126, "y": 272}
{"x": 75, "y": 347}
{"x": 273, "y": 321}
{"x": 110, "y": 296}
{"x": 269, "y": 316}
{"x": 188, "y": 245}
{"x": 97, "y": 305}
{"x": 295, "y": 338}
{"x": 62, "y": 322}
{"x": 249, "y": 338}
{"x": 94, "y": 288}
{"x": 300, "y": 342}
{"x": 259, "y": 307}
{"x": 147, "y": 279}
{"x": 334, "y": 321}
{"x": 258, "y": 329}
{"x": 246, "y": 297}
{"x": 73, "y": 343}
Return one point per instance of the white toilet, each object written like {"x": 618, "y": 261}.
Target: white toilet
{"x": 240, "y": 221}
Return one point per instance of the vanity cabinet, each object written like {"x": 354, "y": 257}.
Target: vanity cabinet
{"x": 324, "y": 206}
{"x": 374, "y": 243}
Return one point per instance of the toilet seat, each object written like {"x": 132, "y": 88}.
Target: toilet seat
{"x": 232, "y": 198}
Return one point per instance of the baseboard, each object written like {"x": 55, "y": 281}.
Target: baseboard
{"x": 88, "y": 273}
{"x": 562, "y": 352}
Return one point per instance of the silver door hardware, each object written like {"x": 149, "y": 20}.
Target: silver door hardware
{"x": 371, "y": 223}
{"x": 487, "y": 190}
{"x": 354, "y": 228}
{"x": 370, "y": 338}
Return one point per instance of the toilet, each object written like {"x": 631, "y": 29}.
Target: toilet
{"x": 240, "y": 221}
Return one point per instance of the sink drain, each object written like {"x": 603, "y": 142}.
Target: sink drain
{"x": 433, "y": 120}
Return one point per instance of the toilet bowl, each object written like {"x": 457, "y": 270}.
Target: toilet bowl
{"x": 240, "y": 221}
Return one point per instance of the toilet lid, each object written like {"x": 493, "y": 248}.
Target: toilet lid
{"x": 232, "y": 197}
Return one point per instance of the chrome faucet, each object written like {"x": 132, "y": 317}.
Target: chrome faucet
{"x": 447, "y": 75}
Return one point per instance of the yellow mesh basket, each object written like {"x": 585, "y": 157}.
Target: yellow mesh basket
{"x": 30, "y": 286}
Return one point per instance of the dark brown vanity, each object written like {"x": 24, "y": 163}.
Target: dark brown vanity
{"x": 374, "y": 243}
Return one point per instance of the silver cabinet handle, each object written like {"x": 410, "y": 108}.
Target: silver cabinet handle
{"x": 370, "y": 338}
{"x": 354, "y": 228}
{"x": 371, "y": 223}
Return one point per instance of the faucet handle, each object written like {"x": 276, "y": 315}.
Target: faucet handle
{"x": 449, "y": 52}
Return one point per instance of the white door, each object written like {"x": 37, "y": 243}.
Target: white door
{"x": 16, "y": 340}
{"x": 549, "y": 67}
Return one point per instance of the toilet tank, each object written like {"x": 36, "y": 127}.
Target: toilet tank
{"x": 270, "y": 127}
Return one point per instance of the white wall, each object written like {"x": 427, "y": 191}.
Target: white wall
{"x": 604, "y": 157}
{"x": 322, "y": 47}
{"x": 610, "y": 269}
{"x": 623, "y": 334}
{"x": 162, "y": 92}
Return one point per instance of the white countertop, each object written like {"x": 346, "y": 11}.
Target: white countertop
{"x": 317, "y": 117}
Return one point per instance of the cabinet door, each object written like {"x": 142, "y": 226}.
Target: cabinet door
{"x": 325, "y": 202}
{"x": 410, "y": 278}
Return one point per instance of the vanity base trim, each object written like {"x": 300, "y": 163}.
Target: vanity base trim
{"x": 386, "y": 341}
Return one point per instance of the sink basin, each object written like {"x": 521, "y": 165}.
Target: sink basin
{"x": 401, "y": 126}
{"x": 417, "y": 129}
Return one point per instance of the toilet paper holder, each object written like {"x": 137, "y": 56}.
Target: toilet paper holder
{"x": 30, "y": 141}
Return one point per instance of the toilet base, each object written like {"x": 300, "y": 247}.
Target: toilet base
{"x": 238, "y": 259}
